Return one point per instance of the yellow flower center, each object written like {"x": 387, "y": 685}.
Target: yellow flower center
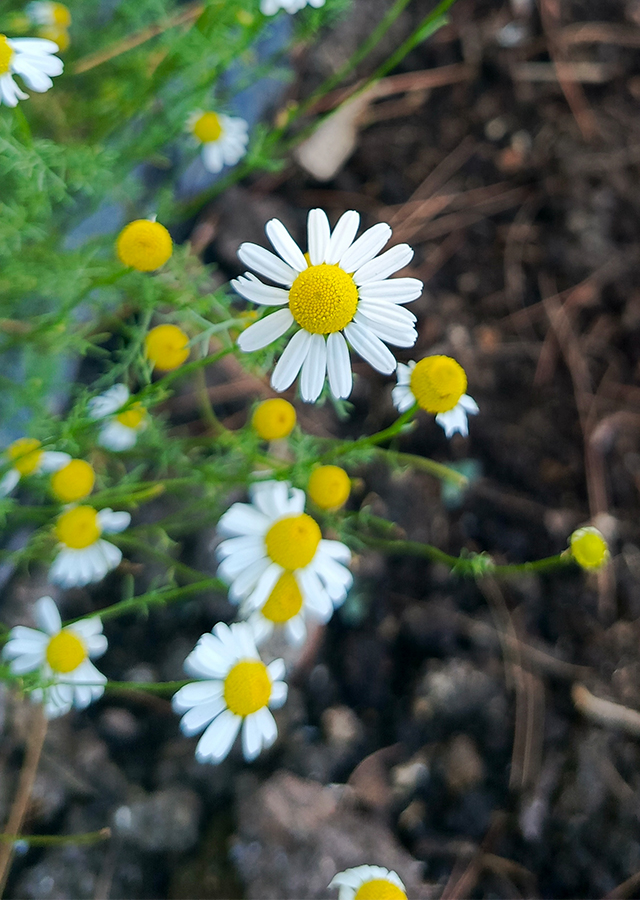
{"x": 60, "y": 15}
{"x": 65, "y": 652}
{"x": 292, "y": 542}
{"x": 379, "y": 889}
{"x": 589, "y": 548}
{"x": 144, "y": 245}
{"x": 132, "y": 417}
{"x": 329, "y": 487}
{"x": 166, "y": 347}
{"x": 74, "y": 481}
{"x": 56, "y": 33}
{"x": 285, "y": 600}
{"x": 207, "y": 128}
{"x": 25, "y": 454}
{"x": 6, "y": 55}
{"x": 78, "y": 528}
{"x": 247, "y": 687}
{"x": 323, "y": 299}
{"x": 437, "y": 383}
{"x": 274, "y": 419}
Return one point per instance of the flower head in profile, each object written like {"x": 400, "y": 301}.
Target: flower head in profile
{"x": 338, "y": 294}
{"x": 52, "y": 21}
{"x": 589, "y": 548}
{"x": 121, "y": 426}
{"x": 437, "y": 384}
{"x": 224, "y": 139}
{"x": 26, "y": 456}
{"x": 237, "y": 691}
{"x": 83, "y": 555}
{"x": 277, "y": 564}
{"x": 369, "y": 883}
{"x": 271, "y": 7}
{"x": 62, "y": 657}
{"x": 30, "y": 58}
{"x": 144, "y": 244}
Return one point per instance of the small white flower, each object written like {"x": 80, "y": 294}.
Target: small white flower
{"x": 33, "y": 60}
{"x": 120, "y": 432}
{"x": 270, "y": 7}
{"x": 277, "y": 563}
{"x": 342, "y": 295}
{"x": 47, "y": 12}
{"x": 62, "y": 655}
{"x": 369, "y": 883}
{"x": 29, "y": 458}
{"x": 224, "y": 139}
{"x": 437, "y": 385}
{"x": 84, "y": 556}
{"x": 238, "y": 691}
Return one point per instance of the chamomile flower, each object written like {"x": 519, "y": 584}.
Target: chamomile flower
{"x": 369, "y": 883}
{"x": 144, "y": 245}
{"x": 52, "y": 21}
{"x": 329, "y": 487}
{"x": 166, "y": 347}
{"x": 224, "y": 139}
{"x": 73, "y": 482}
{"x": 30, "y": 58}
{"x": 121, "y": 428}
{"x": 62, "y": 655}
{"x": 437, "y": 384}
{"x": 274, "y": 419}
{"x": 237, "y": 691}
{"x": 277, "y": 563}
{"x": 271, "y": 7}
{"x": 589, "y": 548}
{"x": 84, "y": 557}
{"x": 28, "y": 458}
{"x": 339, "y": 293}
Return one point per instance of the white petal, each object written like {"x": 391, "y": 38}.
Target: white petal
{"x": 387, "y": 313}
{"x": 402, "y": 397}
{"x": 249, "y": 287}
{"x": 342, "y": 237}
{"x": 279, "y": 693}
{"x": 314, "y": 369}
{"x": 237, "y": 563}
{"x": 384, "y": 265}
{"x": 395, "y": 290}
{"x": 26, "y": 662}
{"x": 196, "y": 718}
{"x": 10, "y": 91}
{"x": 251, "y": 738}
{"x": 403, "y": 373}
{"x": 315, "y": 595}
{"x": 290, "y": 363}
{"x": 454, "y": 420}
{"x": 243, "y": 519}
{"x": 248, "y": 544}
{"x": 266, "y": 726}
{"x": 366, "y": 247}
{"x": 276, "y": 670}
{"x": 266, "y": 263}
{"x": 117, "y": 437}
{"x": 265, "y": 584}
{"x": 397, "y": 335}
{"x": 370, "y": 348}
{"x": 212, "y": 157}
{"x": 319, "y": 233}
{"x": 51, "y": 461}
{"x": 336, "y": 550}
{"x": 265, "y": 331}
{"x": 339, "y": 366}
{"x": 108, "y": 403}
{"x": 113, "y": 522}
{"x": 285, "y": 245}
{"x": 296, "y": 630}
{"x": 35, "y": 79}
{"x": 469, "y": 404}
{"x": 10, "y": 480}
{"x": 246, "y": 581}
{"x": 33, "y": 46}
{"x": 271, "y": 498}
{"x": 215, "y": 743}
{"x": 46, "y": 616}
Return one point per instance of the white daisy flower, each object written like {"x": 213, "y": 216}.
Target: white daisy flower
{"x": 29, "y": 458}
{"x": 342, "y": 294}
{"x": 62, "y": 655}
{"x": 271, "y": 7}
{"x": 44, "y": 12}
{"x": 33, "y": 60}
{"x": 437, "y": 384}
{"x": 277, "y": 564}
{"x": 238, "y": 691}
{"x": 224, "y": 139}
{"x": 84, "y": 556}
{"x": 369, "y": 883}
{"x": 120, "y": 432}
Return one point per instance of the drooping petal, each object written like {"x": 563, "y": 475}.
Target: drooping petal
{"x": 217, "y": 740}
{"x": 113, "y": 522}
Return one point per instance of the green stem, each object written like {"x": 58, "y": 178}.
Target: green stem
{"x": 153, "y": 687}
{"x": 438, "y": 470}
{"x": 154, "y": 598}
{"x": 370, "y": 440}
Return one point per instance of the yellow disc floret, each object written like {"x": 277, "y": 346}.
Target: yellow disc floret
{"x": 166, "y": 347}
{"x": 437, "y": 383}
{"x": 144, "y": 245}
{"x": 6, "y": 55}
{"x": 379, "y": 889}
{"x": 25, "y": 454}
{"x": 132, "y": 417}
{"x": 329, "y": 487}
{"x": 73, "y": 481}
{"x": 78, "y": 527}
{"x": 65, "y": 652}
{"x": 292, "y": 542}
{"x": 247, "y": 687}
{"x": 207, "y": 128}
{"x": 589, "y": 548}
{"x": 285, "y": 600}
{"x": 274, "y": 419}
{"x": 323, "y": 299}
